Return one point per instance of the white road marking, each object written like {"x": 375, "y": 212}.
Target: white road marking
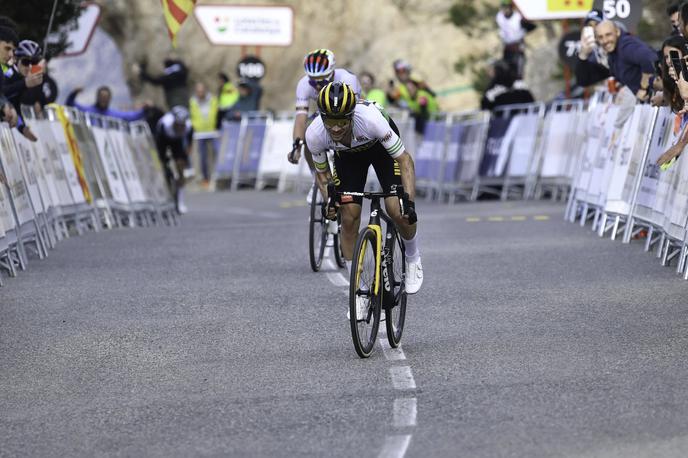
{"x": 405, "y": 412}
{"x": 395, "y": 446}
{"x": 402, "y": 378}
{"x": 392, "y": 354}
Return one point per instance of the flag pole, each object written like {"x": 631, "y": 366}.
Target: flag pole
{"x": 50, "y": 26}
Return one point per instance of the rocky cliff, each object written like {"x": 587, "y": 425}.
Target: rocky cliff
{"x": 364, "y": 34}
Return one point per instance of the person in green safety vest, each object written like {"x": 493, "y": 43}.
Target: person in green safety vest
{"x": 228, "y": 95}
{"x": 421, "y": 103}
{"x": 369, "y": 91}
{"x": 398, "y": 94}
{"x": 203, "y": 108}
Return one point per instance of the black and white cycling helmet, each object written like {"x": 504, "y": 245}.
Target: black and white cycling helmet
{"x": 27, "y": 48}
{"x": 180, "y": 114}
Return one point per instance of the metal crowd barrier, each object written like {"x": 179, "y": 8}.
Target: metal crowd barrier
{"x": 85, "y": 172}
{"x": 619, "y": 187}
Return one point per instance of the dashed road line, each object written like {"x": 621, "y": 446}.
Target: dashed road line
{"x": 405, "y": 411}
{"x": 391, "y": 354}
{"x": 500, "y": 219}
{"x": 395, "y": 446}
{"x": 402, "y": 378}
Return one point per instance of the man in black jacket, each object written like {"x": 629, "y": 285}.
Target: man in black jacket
{"x": 174, "y": 81}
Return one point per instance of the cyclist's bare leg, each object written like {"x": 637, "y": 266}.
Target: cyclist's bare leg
{"x": 351, "y": 220}
{"x": 181, "y": 165}
{"x": 407, "y": 231}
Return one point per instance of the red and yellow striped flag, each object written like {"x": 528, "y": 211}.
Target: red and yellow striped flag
{"x": 175, "y": 12}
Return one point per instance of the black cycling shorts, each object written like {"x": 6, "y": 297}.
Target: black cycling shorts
{"x": 351, "y": 170}
{"x": 176, "y": 147}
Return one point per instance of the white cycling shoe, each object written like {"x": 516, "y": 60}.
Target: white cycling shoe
{"x": 414, "y": 276}
{"x": 361, "y": 309}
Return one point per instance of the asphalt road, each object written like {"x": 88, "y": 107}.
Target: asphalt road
{"x": 531, "y": 337}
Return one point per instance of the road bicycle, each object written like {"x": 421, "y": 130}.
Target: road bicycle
{"x": 377, "y": 278}
{"x": 319, "y": 237}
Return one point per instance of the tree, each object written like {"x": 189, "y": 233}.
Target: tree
{"x": 32, "y": 17}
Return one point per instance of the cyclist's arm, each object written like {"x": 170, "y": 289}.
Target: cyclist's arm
{"x": 300, "y": 125}
{"x": 408, "y": 174}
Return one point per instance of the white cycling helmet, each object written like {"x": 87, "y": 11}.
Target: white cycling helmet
{"x": 180, "y": 114}
{"x": 319, "y": 63}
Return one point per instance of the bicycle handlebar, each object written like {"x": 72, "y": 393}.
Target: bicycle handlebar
{"x": 407, "y": 206}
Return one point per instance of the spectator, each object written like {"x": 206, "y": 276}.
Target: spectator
{"x": 512, "y": 30}
{"x": 203, "y": 111}
{"x": 29, "y": 60}
{"x": 102, "y": 105}
{"x": 422, "y": 105}
{"x": 504, "y": 88}
{"x": 227, "y": 97}
{"x": 631, "y": 62}
{"x": 246, "y": 102}
{"x": 173, "y": 135}
{"x": 670, "y": 78}
{"x": 369, "y": 91}
{"x": 676, "y": 94}
{"x": 398, "y": 94}
{"x": 16, "y": 83}
{"x": 674, "y": 17}
{"x": 173, "y": 81}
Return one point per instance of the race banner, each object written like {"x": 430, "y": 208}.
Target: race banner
{"x": 18, "y": 189}
{"x": 229, "y": 142}
{"x": 471, "y": 147}
{"x": 112, "y": 172}
{"x": 252, "y": 146}
{"x": 525, "y": 129}
{"x": 73, "y": 147}
{"x": 428, "y": 159}
{"x": 451, "y": 162}
{"x": 495, "y": 136}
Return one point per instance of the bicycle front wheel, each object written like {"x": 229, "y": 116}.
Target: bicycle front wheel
{"x": 364, "y": 304}
{"x": 317, "y": 232}
{"x": 395, "y": 313}
{"x": 337, "y": 248}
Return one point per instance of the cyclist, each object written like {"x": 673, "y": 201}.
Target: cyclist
{"x": 362, "y": 135}
{"x": 319, "y": 66}
{"x": 174, "y": 132}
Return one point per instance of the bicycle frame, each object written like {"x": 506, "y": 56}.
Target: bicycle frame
{"x": 383, "y": 255}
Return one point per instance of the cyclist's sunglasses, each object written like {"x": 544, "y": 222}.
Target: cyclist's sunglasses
{"x": 26, "y": 61}
{"x": 336, "y": 122}
{"x": 319, "y": 83}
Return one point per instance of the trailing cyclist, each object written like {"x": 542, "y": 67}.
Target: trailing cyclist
{"x": 174, "y": 133}
{"x": 361, "y": 136}
{"x": 319, "y": 66}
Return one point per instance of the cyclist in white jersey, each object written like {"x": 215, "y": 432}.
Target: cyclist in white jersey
{"x": 361, "y": 135}
{"x": 319, "y": 66}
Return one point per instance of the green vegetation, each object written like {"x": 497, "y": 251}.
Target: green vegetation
{"x": 32, "y": 18}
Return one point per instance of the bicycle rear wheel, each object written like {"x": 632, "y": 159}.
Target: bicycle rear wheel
{"x": 317, "y": 232}
{"x": 364, "y": 304}
{"x": 395, "y": 314}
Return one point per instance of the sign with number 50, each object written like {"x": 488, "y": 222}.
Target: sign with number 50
{"x": 628, "y": 12}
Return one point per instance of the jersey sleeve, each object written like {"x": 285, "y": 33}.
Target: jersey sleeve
{"x": 380, "y": 128}
{"x": 316, "y": 142}
{"x": 304, "y": 92}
